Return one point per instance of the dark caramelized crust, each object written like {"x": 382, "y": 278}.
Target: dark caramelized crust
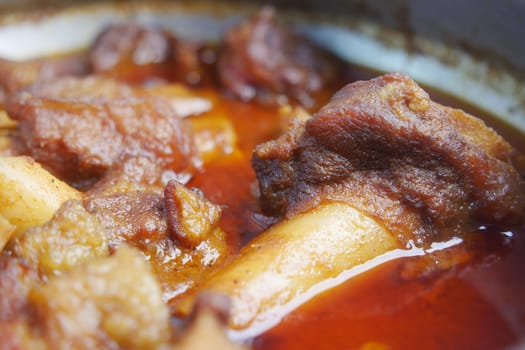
{"x": 81, "y": 138}
{"x": 262, "y": 59}
{"x": 385, "y": 147}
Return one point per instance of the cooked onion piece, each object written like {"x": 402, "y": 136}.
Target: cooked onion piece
{"x": 296, "y": 254}
{"x": 30, "y": 195}
{"x": 184, "y": 101}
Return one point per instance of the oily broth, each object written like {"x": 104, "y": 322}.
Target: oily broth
{"x": 475, "y": 305}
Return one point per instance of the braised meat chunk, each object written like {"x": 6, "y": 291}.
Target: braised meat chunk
{"x": 131, "y": 51}
{"x": 81, "y": 138}
{"x": 381, "y": 170}
{"x": 175, "y": 228}
{"x": 264, "y": 60}
{"x": 384, "y": 147}
{"x": 129, "y": 215}
{"x": 82, "y": 88}
{"x": 135, "y": 53}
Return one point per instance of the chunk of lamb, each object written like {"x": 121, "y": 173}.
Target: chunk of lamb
{"x": 79, "y": 138}
{"x": 384, "y": 147}
{"x": 264, "y": 60}
{"x": 176, "y": 228}
{"x": 134, "y": 53}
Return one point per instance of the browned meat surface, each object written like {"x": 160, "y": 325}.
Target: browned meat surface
{"x": 176, "y": 229}
{"x": 81, "y": 138}
{"x": 262, "y": 59}
{"x": 129, "y": 216}
{"x": 386, "y": 148}
{"x": 193, "y": 63}
{"x": 135, "y": 53}
{"x": 132, "y": 174}
{"x": 15, "y": 75}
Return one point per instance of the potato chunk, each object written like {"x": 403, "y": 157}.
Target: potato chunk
{"x": 71, "y": 237}
{"x": 113, "y": 302}
{"x": 30, "y": 195}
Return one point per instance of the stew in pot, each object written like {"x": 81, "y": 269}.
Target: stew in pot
{"x": 253, "y": 193}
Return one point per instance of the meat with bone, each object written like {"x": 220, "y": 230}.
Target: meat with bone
{"x": 384, "y": 147}
{"x": 379, "y": 166}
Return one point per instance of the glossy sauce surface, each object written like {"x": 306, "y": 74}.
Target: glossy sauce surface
{"x": 476, "y": 305}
